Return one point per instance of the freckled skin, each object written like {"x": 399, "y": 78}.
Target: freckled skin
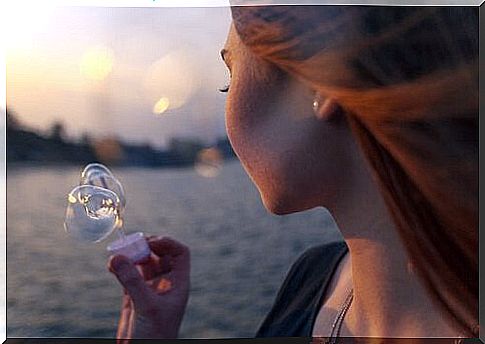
{"x": 294, "y": 158}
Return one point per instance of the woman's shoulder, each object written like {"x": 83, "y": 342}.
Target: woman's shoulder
{"x": 321, "y": 255}
{"x": 298, "y": 299}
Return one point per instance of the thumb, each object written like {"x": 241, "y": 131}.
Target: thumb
{"x": 129, "y": 277}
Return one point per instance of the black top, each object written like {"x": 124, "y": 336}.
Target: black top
{"x": 299, "y": 299}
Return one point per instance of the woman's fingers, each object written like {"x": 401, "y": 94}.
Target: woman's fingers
{"x": 129, "y": 277}
{"x": 125, "y": 318}
{"x": 165, "y": 263}
{"x": 156, "y": 266}
{"x": 169, "y": 258}
{"x": 166, "y": 246}
{"x": 174, "y": 258}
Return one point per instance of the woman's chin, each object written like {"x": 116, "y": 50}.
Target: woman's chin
{"x": 281, "y": 205}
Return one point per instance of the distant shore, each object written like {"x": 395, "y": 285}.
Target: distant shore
{"x": 27, "y": 147}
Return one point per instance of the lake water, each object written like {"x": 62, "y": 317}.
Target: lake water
{"x": 240, "y": 253}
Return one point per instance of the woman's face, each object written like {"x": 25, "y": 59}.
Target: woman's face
{"x": 296, "y": 160}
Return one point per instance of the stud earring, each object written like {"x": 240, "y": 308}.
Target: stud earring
{"x": 324, "y": 108}
{"x": 316, "y": 103}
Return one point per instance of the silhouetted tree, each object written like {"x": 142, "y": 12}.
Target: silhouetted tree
{"x": 57, "y": 131}
{"x": 85, "y": 140}
{"x": 12, "y": 121}
{"x": 187, "y": 149}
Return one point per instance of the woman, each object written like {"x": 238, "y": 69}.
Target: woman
{"x": 371, "y": 112}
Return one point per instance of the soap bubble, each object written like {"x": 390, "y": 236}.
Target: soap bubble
{"x": 99, "y": 175}
{"x": 94, "y": 168}
{"x": 92, "y": 213}
{"x": 94, "y": 208}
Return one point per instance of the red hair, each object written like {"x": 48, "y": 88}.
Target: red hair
{"x": 407, "y": 78}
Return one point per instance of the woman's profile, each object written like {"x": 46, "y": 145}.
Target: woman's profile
{"x": 371, "y": 112}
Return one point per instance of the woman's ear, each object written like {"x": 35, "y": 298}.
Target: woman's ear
{"x": 326, "y": 109}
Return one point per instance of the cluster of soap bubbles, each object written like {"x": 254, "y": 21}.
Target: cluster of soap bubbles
{"x": 95, "y": 207}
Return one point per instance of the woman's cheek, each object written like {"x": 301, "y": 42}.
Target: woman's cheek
{"x": 241, "y": 137}
{"x": 261, "y": 137}
{"x": 243, "y": 120}
{"x": 260, "y": 159}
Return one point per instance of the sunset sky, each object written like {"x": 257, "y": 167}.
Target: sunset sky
{"x": 143, "y": 74}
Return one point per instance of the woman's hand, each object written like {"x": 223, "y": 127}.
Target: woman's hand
{"x": 155, "y": 292}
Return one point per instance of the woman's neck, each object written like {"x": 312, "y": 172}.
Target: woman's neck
{"x": 389, "y": 299}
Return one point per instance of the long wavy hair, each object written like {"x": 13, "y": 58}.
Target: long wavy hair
{"x": 407, "y": 79}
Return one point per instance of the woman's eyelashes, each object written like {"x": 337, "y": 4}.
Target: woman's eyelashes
{"x": 224, "y": 89}
{"x": 225, "y": 59}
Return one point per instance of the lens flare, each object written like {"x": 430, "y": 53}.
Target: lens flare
{"x": 209, "y": 162}
{"x": 96, "y": 63}
{"x": 108, "y": 150}
{"x": 175, "y": 76}
{"x": 161, "y": 106}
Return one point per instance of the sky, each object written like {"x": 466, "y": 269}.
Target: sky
{"x": 142, "y": 74}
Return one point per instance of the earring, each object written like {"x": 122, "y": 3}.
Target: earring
{"x": 316, "y": 103}
{"x": 324, "y": 108}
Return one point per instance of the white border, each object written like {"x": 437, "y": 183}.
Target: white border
{"x": 5, "y": 4}
{"x": 3, "y": 187}
{"x": 223, "y": 3}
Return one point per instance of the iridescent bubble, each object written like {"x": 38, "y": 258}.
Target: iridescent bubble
{"x": 94, "y": 167}
{"x": 99, "y": 175}
{"x": 92, "y": 213}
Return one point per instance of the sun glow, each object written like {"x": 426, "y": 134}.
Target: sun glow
{"x": 96, "y": 63}
{"x": 20, "y": 21}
